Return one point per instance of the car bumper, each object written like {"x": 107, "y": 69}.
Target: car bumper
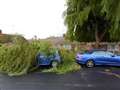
{"x": 80, "y": 62}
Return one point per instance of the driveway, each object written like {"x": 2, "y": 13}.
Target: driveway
{"x": 98, "y": 78}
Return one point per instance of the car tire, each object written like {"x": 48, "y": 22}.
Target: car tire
{"x": 90, "y": 64}
{"x": 54, "y": 64}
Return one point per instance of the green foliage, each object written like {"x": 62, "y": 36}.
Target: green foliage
{"x": 68, "y": 57}
{"x": 44, "y": 47}
{"x": 17, "y": 59}
{"x": 20, "y": 57}
{"x": 111, "y": 8}
{"x": 0, "y": 44}
{"x": 68, "y": 64}
{"x": 84, "y": 17}
{"x": 18, "y": 39}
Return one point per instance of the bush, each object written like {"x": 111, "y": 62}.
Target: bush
{"x": 68, "y": 57}
{"x": 18, "y": 58}
{"x": 44, "y": 46}
{"x": 68, "y": 65}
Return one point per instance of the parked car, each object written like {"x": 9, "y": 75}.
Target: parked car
{"x": 53, "y": 60}
{"x": 98, "y": 57}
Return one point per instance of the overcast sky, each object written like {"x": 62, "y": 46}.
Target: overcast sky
{"x": 32, "y": 17}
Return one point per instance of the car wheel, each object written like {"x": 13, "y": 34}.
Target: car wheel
{"x": 54, "y": 64}
{"x": 90, "y": 63}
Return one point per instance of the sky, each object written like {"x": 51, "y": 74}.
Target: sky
{"x": 43, "y": 18}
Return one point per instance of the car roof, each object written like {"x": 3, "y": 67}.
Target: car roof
{"x": 94, "y": 50}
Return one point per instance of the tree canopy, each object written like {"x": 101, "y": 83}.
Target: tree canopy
{"x": 93, "y": 20}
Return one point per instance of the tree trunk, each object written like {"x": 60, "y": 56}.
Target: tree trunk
{"x": 97, "y": 38}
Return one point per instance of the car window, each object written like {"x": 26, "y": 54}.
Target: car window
{"x": 100, "y": 53}
{"x": 109, "y": 54}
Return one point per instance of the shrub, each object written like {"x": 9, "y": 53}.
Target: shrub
{"x": 68, "y": 65}
{"x": 18, "y": 58}
{"x": 44, "y": 46}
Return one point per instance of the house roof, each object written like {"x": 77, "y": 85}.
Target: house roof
{"x": 5, "y": 38}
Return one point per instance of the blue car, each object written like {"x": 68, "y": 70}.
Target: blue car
{"x": 44, "y": 60}
{"x": 98, "y": 57}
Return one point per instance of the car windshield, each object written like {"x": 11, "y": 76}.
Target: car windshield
{"x": 103, "y": 53}
{"x": 94, "y": 50}
{"x": 99, "y": 53}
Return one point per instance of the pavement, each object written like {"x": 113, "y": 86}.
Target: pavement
{"x": 98, "y": 78}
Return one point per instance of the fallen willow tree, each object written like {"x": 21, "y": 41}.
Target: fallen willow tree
{"x": 18, "y": 58}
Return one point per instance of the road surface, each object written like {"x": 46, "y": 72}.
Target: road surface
{"x": 98, "y": 78}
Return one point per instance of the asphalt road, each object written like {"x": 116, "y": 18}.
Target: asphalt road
{"x": 98, "y": 78}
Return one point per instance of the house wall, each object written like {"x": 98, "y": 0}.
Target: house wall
{"x": 113, "y": 47}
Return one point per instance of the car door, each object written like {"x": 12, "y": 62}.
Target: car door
{"x": 99, "y": 57}
{"x": 112, "y": 59}
{"x": 116, "y": 60}
{"x": 43, "y": 59}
